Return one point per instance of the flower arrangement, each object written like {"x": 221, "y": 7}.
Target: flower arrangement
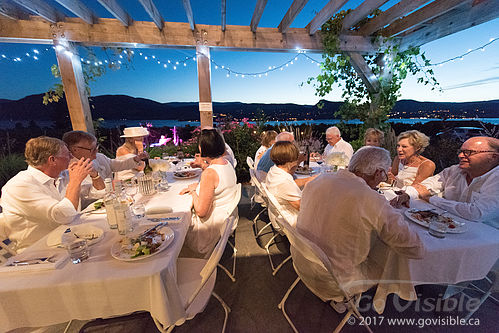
{"x": 338, "y": 160}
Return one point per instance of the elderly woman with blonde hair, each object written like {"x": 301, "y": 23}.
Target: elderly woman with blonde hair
{"x": 409, "y": 167}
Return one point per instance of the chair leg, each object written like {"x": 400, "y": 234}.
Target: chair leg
{"x": 356, "y": 313}
{"x": 281, "y": 304}
{"x": 274, "y": 272}
{"x": 232, "y": 275}
{"x": 268, "y": 252}
{"x": 226, "y": 309}
{"x": 68, "y": 325}
{"x": 343, "y": 321}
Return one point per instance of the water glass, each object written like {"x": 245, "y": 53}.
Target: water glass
{"x": 139, "y": 210}
{"x": 437, "y": 229}
{"x": 78, "y": 250}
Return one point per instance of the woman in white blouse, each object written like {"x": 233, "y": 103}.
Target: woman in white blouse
{"x": 409, "y": 167}
{"x": 268, "y": 139}
{"x": 280, "y": 181}
{"x": 212, "y": 196}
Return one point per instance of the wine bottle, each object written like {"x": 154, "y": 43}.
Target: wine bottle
{"x": 306, "y": 163}
{"x": 109, "y": 200}
{"x": 147, "y": 168}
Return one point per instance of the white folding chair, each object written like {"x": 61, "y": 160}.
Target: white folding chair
{"x": 6, "y": 251}
{"x": 312, "y": 252}
{"x": 250, "y": 162}
{"x": 196, "y": 279}
{"x": 276, "y": 214}
{"x": 259, "y": 192}
{"x": 233, "y": 211}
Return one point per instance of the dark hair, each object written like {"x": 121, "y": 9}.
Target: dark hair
{"x": 211, "y": 143}
{"x": 283, "y": 152}
{"x": 74, "y": 137}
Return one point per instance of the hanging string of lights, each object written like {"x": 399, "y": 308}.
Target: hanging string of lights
{"x": 36, "y": 54}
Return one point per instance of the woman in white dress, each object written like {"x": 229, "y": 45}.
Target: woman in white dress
{"x": 268, "y": 139}
{"x": 409, "y": 167}
{"x": 133, "y": 146}
{"x": 212, "y": 196}
{"x": 280, "y": 181}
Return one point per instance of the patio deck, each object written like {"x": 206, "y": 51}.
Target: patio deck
{"x": 253, "y": 299}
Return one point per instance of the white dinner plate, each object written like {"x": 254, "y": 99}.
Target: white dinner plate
{"x": 305, "y": 172}
{"x": 460, "y": 228}
{"x": 118, "y": 253}
{"x": 90, "y": 232}
{"x": 90, "y": 209}
{"x": 177, "y": 174}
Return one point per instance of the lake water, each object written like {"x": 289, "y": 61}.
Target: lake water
{"x": 4, "y": 124}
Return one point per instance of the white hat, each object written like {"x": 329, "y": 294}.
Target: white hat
{"x": 131, "y": 132}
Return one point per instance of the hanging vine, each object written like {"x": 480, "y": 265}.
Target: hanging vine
{"x": 391, "y": 66}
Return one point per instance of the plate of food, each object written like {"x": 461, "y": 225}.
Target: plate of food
{"x": 304, "y": 170}
{"x": 92, "y": 233}
{"x": 424, "y": 217}
{"x": 142, "y": 243}
{"x": 187, "y": 174}
{"x": 96, "y": 207}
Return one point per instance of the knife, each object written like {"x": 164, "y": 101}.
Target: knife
{"x": 31, "y": 261}
{"x": 159, "y": 219}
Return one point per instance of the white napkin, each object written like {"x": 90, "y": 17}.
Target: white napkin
{"x": 57, "y": 259}
{"x": 158, "y": 210}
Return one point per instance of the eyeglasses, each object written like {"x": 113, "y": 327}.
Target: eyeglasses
{"x": 469, "y": 152}
{"x": 89, "y": 149}
{"x": 385, "y": 176}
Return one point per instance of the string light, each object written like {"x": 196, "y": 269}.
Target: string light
{"x": 461, "y": 56}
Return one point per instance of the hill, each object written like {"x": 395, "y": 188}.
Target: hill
{"x": 125, "y": 107}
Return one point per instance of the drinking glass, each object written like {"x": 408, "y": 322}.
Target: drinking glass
{"x": 139, "y": 210}
{"x": 78, "y": 250}
{"x": 437, "y": 228}
{"x": 131, "y": 190}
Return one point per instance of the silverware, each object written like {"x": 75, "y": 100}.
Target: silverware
{"x": 159, "y": 219}
{"x": 32, "y": 261}
{"x": 157, "y": 226}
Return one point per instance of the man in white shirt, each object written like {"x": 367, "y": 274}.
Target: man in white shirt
{"x": 469, "y": 189}
{"x": 336, "y": 143}
{"x": 47, "y": 194}
{"x": 343, "y": 214}
{"x": 84, "y": 145}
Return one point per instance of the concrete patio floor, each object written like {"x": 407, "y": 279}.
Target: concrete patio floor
{"x": 253, "y": 299}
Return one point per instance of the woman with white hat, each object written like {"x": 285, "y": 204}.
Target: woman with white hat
{"x": 134, "y": 145}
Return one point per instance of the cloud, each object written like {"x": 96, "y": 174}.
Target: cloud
{"x": 473, "y": 83}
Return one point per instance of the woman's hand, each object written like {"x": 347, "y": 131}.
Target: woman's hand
{"x": 189, "y": 189}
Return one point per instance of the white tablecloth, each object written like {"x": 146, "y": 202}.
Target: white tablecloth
{"x": 455, "y": 258}
{"x": 101, "y": 286}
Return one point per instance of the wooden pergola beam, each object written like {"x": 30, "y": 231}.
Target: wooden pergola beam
{"x": 74, "y": 86}
{"x": 257, "y": 14}
{"x": 359, "y": 13}
{"x": 153, "y": 12}
{"x": 188, "y": 12}
{"x": 79, "y": 9}
{"x": 42, "y": 9}
{"x": 362, "y": 68}
{"x": 117, "y": 11}
{"x": 471, "y": 14}
{"x": 428, "y": 12}
{"x": 204, "y": 80}
{"x": 391, "y": 14}
{"x": 223, "y": 14}
{"x": 325, "y": 14}
{"x": 12, "y": 11}
{"x": 293, "y": 11}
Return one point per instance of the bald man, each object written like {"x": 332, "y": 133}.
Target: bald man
{"x": 469, "y": 189}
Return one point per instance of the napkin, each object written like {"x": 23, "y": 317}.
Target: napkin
{"x": 158, "y": 210}
{"x": 57, "y": 260}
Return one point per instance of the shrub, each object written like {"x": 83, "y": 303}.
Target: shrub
{"x": 10, "y": 165}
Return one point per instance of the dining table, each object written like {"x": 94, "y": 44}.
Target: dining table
{"x": 458, "y": 257}
{"x": 102, "y": 286}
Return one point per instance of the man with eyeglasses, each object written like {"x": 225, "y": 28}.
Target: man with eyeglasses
{"x": 46, "y": 195}
{"x": 83, "y": 144}
{"x": 469, "y": 189}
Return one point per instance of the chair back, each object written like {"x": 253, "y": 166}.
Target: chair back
{"x": 276, "y": 210}
{"x": 6, "y": 251}
{"x": 250, "y": 162}
{"x": 259, "y": 195}
{"x": 232, "y": 209}
{"x": 212, "y": 262}
{"x": 311, "y": 252}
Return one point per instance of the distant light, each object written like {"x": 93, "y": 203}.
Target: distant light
{"x": 36, "y": 51}
{"x": 216, "y": 67}
{"x": 194, "y": 58}
{"x": 164, "y": 65}
{"x": 222, "y": 66}
{"x": 119, "y": 62}
{"x": 159, "y": 62}
{"x": 176, "y": 63}
{"x": 296, "y": 58}
{"x": 95, "y": 63}
{"x": 174, "y": 67}
{"x": 145, "y": 57}
{"x": 124, "y": 51}
{"x": 291, "y": 62}
{"x": 121, "y": 57}
{"x": 100, "y": 62}
{"x": 3, "y": 56}
{"x": 287, "y": 65}
{"x": 140, "y": 53}
{"x": 242, "y": 75}
{"x": 185, "y": 64}
{"x": 105, "y": 61}
{"x": 168, "y": 61}
{"x": 270, "y": 67}
{"x": 88, "y": 61}
{"x": 35, "y": 57}
{"x": 81, "y": 59}
{"x": 154, "y": 57}
{"x": 227, "y": 75}
{"x": 27, "y": 54}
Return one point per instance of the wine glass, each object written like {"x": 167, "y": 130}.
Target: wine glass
{"x": 131, "y": 190}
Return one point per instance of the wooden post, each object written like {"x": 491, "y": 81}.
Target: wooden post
{"x": 74, "y": 86}
{"x": 204, "y": 78}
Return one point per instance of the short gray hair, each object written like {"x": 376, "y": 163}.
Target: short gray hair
{"x": 285, "y": 136}
{"x": 368, "y": 159}
{"x": 333, "y": 130}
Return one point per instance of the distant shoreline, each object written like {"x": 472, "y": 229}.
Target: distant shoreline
{"x": 10, "y": 124}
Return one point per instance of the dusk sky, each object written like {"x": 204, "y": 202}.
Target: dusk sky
{"x": 474, "y": 78}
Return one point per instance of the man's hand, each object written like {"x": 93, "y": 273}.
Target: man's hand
{"x": 80, "y": 169}
{"x": 424, "y": 194}
{"x": 141, "y": 156}
{"x": 401, "y": 201}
